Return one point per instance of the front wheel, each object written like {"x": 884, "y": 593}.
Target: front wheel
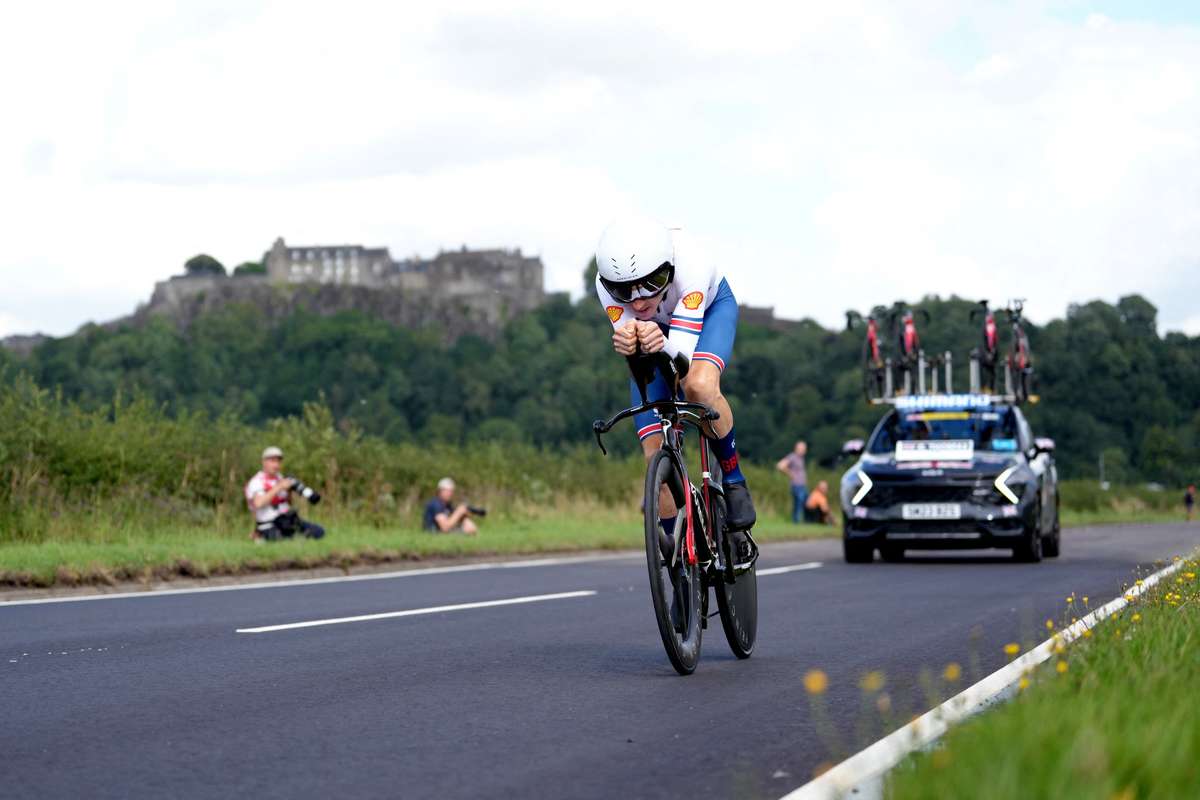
{"x": 856, "y": 552}
{"x": 737, "y": 601}
{"x": 1052, "y": 544}
{"x": 674, "y": 584}
{"x": 1030, "y": 548}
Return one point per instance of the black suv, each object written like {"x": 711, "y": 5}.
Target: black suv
{"x": 950, "y": 471}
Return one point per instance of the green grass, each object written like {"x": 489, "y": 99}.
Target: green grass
{"x": 185, "y": 551}
{"x": 1119, "y": 722}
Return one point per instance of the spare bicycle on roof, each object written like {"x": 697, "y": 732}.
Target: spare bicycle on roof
{"x": 909, "y": 371}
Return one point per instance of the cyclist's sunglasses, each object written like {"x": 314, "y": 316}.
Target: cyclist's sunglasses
{"x": 649, "y": 286}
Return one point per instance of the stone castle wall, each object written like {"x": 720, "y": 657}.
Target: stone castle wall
{"x": 461, "y": 292}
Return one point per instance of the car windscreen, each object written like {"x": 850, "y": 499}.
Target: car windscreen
{"x": 989, "y": 430}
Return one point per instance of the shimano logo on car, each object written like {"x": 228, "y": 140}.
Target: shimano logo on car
{"x": 923, "y": 401}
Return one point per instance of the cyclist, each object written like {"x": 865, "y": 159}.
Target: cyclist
{"x": 663, "y": 293}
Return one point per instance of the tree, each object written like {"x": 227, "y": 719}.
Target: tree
{"x": 249, "y": 268}
{"x": 203, "y": 264}
{"x": 589, "y": 278}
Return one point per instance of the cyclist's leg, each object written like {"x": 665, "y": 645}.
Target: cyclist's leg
{"x": 703, "y": 385}
{"x": 650, "y": 434}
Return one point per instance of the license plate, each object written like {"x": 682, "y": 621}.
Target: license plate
{"x": 931, "y": 511}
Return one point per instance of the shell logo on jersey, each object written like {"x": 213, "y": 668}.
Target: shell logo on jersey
{"x": 692, "y": 301}
{"x": 614, "y": 312}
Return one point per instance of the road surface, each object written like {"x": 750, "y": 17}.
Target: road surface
{"x": 563, "y": 690}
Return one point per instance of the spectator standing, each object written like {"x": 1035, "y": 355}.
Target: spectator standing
{"x": 443, "y": 515}
{"x": 269, "y": 493}
{"x": 816, "y": 508}
{"x": 1189, "y": 501}
{"x": 794, "y": 467}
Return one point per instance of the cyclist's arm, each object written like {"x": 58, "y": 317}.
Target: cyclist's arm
{"x": 687, "y": 320}
{"x": 619, "y": 314}
{"x": 695, "y": 275}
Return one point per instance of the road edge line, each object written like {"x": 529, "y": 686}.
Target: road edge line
{"x": 879, "y": 758}
{"x": 551, "y": 561}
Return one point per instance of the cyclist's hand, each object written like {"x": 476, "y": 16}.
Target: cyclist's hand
{"x": 651, "y": 337}
{"x": 625, "y": 339}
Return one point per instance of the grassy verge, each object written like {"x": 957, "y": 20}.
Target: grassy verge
{"x": 1112, "y": 717}
{"x": 176, "y": 552}
{"x": 108, "y": 552}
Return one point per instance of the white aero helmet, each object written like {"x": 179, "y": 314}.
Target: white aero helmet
{"x": 635, "y": 258}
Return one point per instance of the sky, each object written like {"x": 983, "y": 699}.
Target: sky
{"x": 832, "y": 155}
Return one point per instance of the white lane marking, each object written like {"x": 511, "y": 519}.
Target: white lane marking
{"x": 375, "y": 576}
{"x": 790, "y": 568}
{"x": 864, "y": 770}
{"x": 414, "y": 612}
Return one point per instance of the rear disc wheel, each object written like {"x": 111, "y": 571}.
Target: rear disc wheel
{"x": 677, "y": 583}
{"x": 737, "y": 602}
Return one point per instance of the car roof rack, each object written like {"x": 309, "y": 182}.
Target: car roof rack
{"x": 935, "y": 385}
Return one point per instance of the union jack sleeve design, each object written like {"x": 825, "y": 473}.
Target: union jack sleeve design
{"x": 711, "y": 358}
{"x": 648, "y": 430}
{"x": 692, "y": 325}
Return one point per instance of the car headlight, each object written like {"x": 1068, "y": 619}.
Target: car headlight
{"x": 1011, "y": 493}
{"x": 865, "y": 484}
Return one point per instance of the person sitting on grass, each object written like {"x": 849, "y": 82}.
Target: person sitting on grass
{"x": 443, "y": 515}
{"x": 816, "y": 508}
{"x": 268, "y": 494}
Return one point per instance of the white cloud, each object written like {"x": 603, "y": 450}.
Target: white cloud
{"x": 838, "y": 156}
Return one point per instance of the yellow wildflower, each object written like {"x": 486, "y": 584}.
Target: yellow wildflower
{"x": 1049, "y": 624}
{"x": 1023, "y": 684}
{"x": 1137, "y": 617}
{"x": 816, "y": 681}
{"x": 871, "y": 681}
{"x": 1061, "y": 667}
{"x": 952, "y": 672}
{"x": 1012, "y": 648}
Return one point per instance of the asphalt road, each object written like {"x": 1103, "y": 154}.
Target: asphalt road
{"x": 566, "y": 697}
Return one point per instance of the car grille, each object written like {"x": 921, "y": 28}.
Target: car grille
{"x": 886, "y": 493}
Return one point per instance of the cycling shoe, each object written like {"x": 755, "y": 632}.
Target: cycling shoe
{"x": 666, "y": 545}
{"x": 741, "y": 515}
{"x": 744, "y": 550}
{"x": 676, "y": 581}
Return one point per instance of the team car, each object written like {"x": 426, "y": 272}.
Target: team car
{"x": 946, "y": 472}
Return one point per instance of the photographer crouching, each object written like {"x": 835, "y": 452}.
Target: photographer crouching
{"x": 268, "y": 494}
{"x": 444, "y": 515}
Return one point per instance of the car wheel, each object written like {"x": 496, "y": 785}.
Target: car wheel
{"x": 891, "y": 554}
{"x": 1051, "y": 543}
{"x": 856, "y": 552}
{"x": 1030, "y": 548}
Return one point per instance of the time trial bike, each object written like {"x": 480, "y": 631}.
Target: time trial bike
{"x": 700, "y": 553}
{"x": 988, "y": 352}
{"x": 908, "y": 344}
{"x": 874, "y": 367}
{"x": 1020, "y": 360}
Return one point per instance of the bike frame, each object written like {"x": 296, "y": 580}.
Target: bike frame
{"x": 873, "y": 339}
{"x": 673, "y": 416}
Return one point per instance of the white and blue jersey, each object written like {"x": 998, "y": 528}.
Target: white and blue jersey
{"x": 698, "y": 309}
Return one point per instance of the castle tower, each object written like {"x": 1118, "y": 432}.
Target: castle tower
{"x": 278, "y": 262}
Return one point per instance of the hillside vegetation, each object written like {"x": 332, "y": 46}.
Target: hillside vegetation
{"x": 1110, "y": 384}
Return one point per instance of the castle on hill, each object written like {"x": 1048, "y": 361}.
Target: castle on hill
{"x": 460, "y": 291}
{"x": 449, "y": 274}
